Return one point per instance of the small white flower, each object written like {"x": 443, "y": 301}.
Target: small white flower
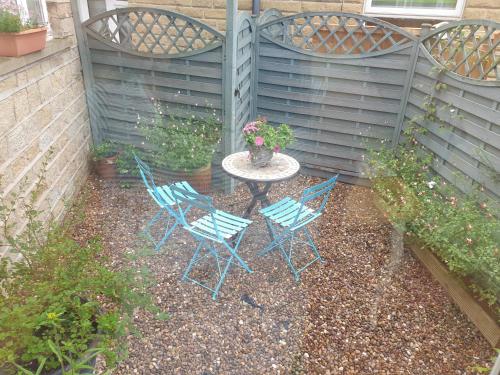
{"x": 431, "y": 184}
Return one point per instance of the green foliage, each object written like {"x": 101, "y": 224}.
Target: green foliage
{"x": 259, "y": 133}
{"x": 10, "y": 22}
{"x": 103, "y": 150}
{"x": 125, "y": 162}
{"x": 461, "y": 229}
{"x": 181, "y": 143}
{"x": 61, "y": 297}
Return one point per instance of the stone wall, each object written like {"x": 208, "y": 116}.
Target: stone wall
{"x": 43, "y": 116}
{"x": 213, "y": 12}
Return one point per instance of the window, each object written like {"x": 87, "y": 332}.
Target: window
{"x": 33, "y": 10}
{"x": 415, "y": 8}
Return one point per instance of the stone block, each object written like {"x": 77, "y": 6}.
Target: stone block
{"x": 8, "y": 115}
{"x": 284, "y": 6}
{"x": 8, "y": 83}
{"x": 34, "y": 97}
{"x": 46, "y": 88}
{"x": 314, "y": 6}
{"x": 34, "y": 72}
{"x": 218, "y": 14}
{"x": 21, "y": 104}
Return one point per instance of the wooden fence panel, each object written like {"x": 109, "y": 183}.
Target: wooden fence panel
{"x": 466, "y": 139}
{"x": 339, "y": 81}
{"x": 140, "y": 54}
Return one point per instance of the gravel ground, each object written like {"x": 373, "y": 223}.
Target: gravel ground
{"x": 366, "y": 310}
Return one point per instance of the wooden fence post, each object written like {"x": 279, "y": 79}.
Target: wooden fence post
{"x": 229, "y": 105}
{"x": 88, "y": 75}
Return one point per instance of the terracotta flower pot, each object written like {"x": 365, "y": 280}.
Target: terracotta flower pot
{"x": 200, "y": 179}
{"x": 22, "y": 43}
{"x": 106, "y": 167}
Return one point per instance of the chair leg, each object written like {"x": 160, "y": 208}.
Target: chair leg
{"x": 167, "y": 234}
{"x": 288, "y": 257}
{"x": 313, "y": 246}
{"x": 193, "y": 260}
{"x": 222, "y": 276}
{"x": 168, "y": 230}
{"x": 276, "y": 240}
{"x": 234, "y": 251}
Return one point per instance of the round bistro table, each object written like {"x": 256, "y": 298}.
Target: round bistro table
{"x": 281, "y": 167}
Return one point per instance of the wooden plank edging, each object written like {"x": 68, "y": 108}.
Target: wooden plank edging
{"x": 456, "y": 290}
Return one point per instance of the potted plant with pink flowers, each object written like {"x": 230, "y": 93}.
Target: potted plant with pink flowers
{"x": 263, "y": 140}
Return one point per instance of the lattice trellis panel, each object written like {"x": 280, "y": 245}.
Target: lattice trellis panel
{"x": 336, "y": 34}
{"x": 153, "y": 32}
{"x": 468, "y": 49}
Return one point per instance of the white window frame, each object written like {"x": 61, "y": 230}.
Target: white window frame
{"x": 24, "y": 11}
{"x": 410, "y": 12}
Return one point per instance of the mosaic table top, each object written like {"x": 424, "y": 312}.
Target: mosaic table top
{"x": 281, "y": 167}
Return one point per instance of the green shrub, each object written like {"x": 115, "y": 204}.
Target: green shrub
{"x": 181, "y": 143}
{"x": 103, "y": 150}
{"x": 61, "y": 295}
{"x": 461, "y": 229}
{"x": 10, "y": 22}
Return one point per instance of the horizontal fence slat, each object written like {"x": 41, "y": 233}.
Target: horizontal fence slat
{"x": 182, "y": 84}
{"x": 320, "y": 99}
{"x": 382, "y": 92}
{"x": 156, "y": 65}
{"x": 333, "y": 71}
{"x": 378, "y": 119}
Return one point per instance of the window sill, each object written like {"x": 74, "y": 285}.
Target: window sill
{"x": 54, "y": 46}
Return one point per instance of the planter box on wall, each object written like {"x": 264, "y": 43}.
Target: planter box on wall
{"x": 22, "y": 43}
{"x": 483, "y": 321}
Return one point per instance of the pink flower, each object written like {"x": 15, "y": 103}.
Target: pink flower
{"x": 250, "y": 127}
{"x": 259, "y": 141}
{"x": 276, "y": 148}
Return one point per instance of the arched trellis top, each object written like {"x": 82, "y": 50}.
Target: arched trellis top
{"x": 336, "y": 35}
{"x": 468, "y": 49}
{"x": 153, "y": 32}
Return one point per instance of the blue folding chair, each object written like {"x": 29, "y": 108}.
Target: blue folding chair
{"x": 162, "y": 195}
{"x": 288, "y": 218}
{"x": 215, "y": 227}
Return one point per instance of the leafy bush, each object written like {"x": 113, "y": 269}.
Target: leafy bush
{"x": 461, "y": 229}
{"x": 10, "y": 22}
{"x": 125, "y": 162}
{"x": 261, "y": 134}
{"x": 103, "y": 150}
{"x": 181, "y": 143}
{"x": 52, "y": 304}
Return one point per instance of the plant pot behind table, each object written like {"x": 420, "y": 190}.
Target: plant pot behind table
{"x": 106, "y": 167}
{"x": 200, "y": 179}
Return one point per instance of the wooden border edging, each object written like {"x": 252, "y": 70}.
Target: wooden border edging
{"x": 467, "y": 304}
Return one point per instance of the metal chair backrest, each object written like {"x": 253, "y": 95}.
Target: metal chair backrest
{"x": 320, "y": 191}
{"x": 146, "y": 174}
{"x": 187, "y": 198}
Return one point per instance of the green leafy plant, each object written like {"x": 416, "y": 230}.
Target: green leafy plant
{"x": 125, "y": 162}
{"x": 181, "y": 143}
{"x": 103, "y": 150}
{"x": 61, "y": 295}
{"x": 261, "y": 134}
{"x": 461, "y": 229}
{"x": 11, "y": 23}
